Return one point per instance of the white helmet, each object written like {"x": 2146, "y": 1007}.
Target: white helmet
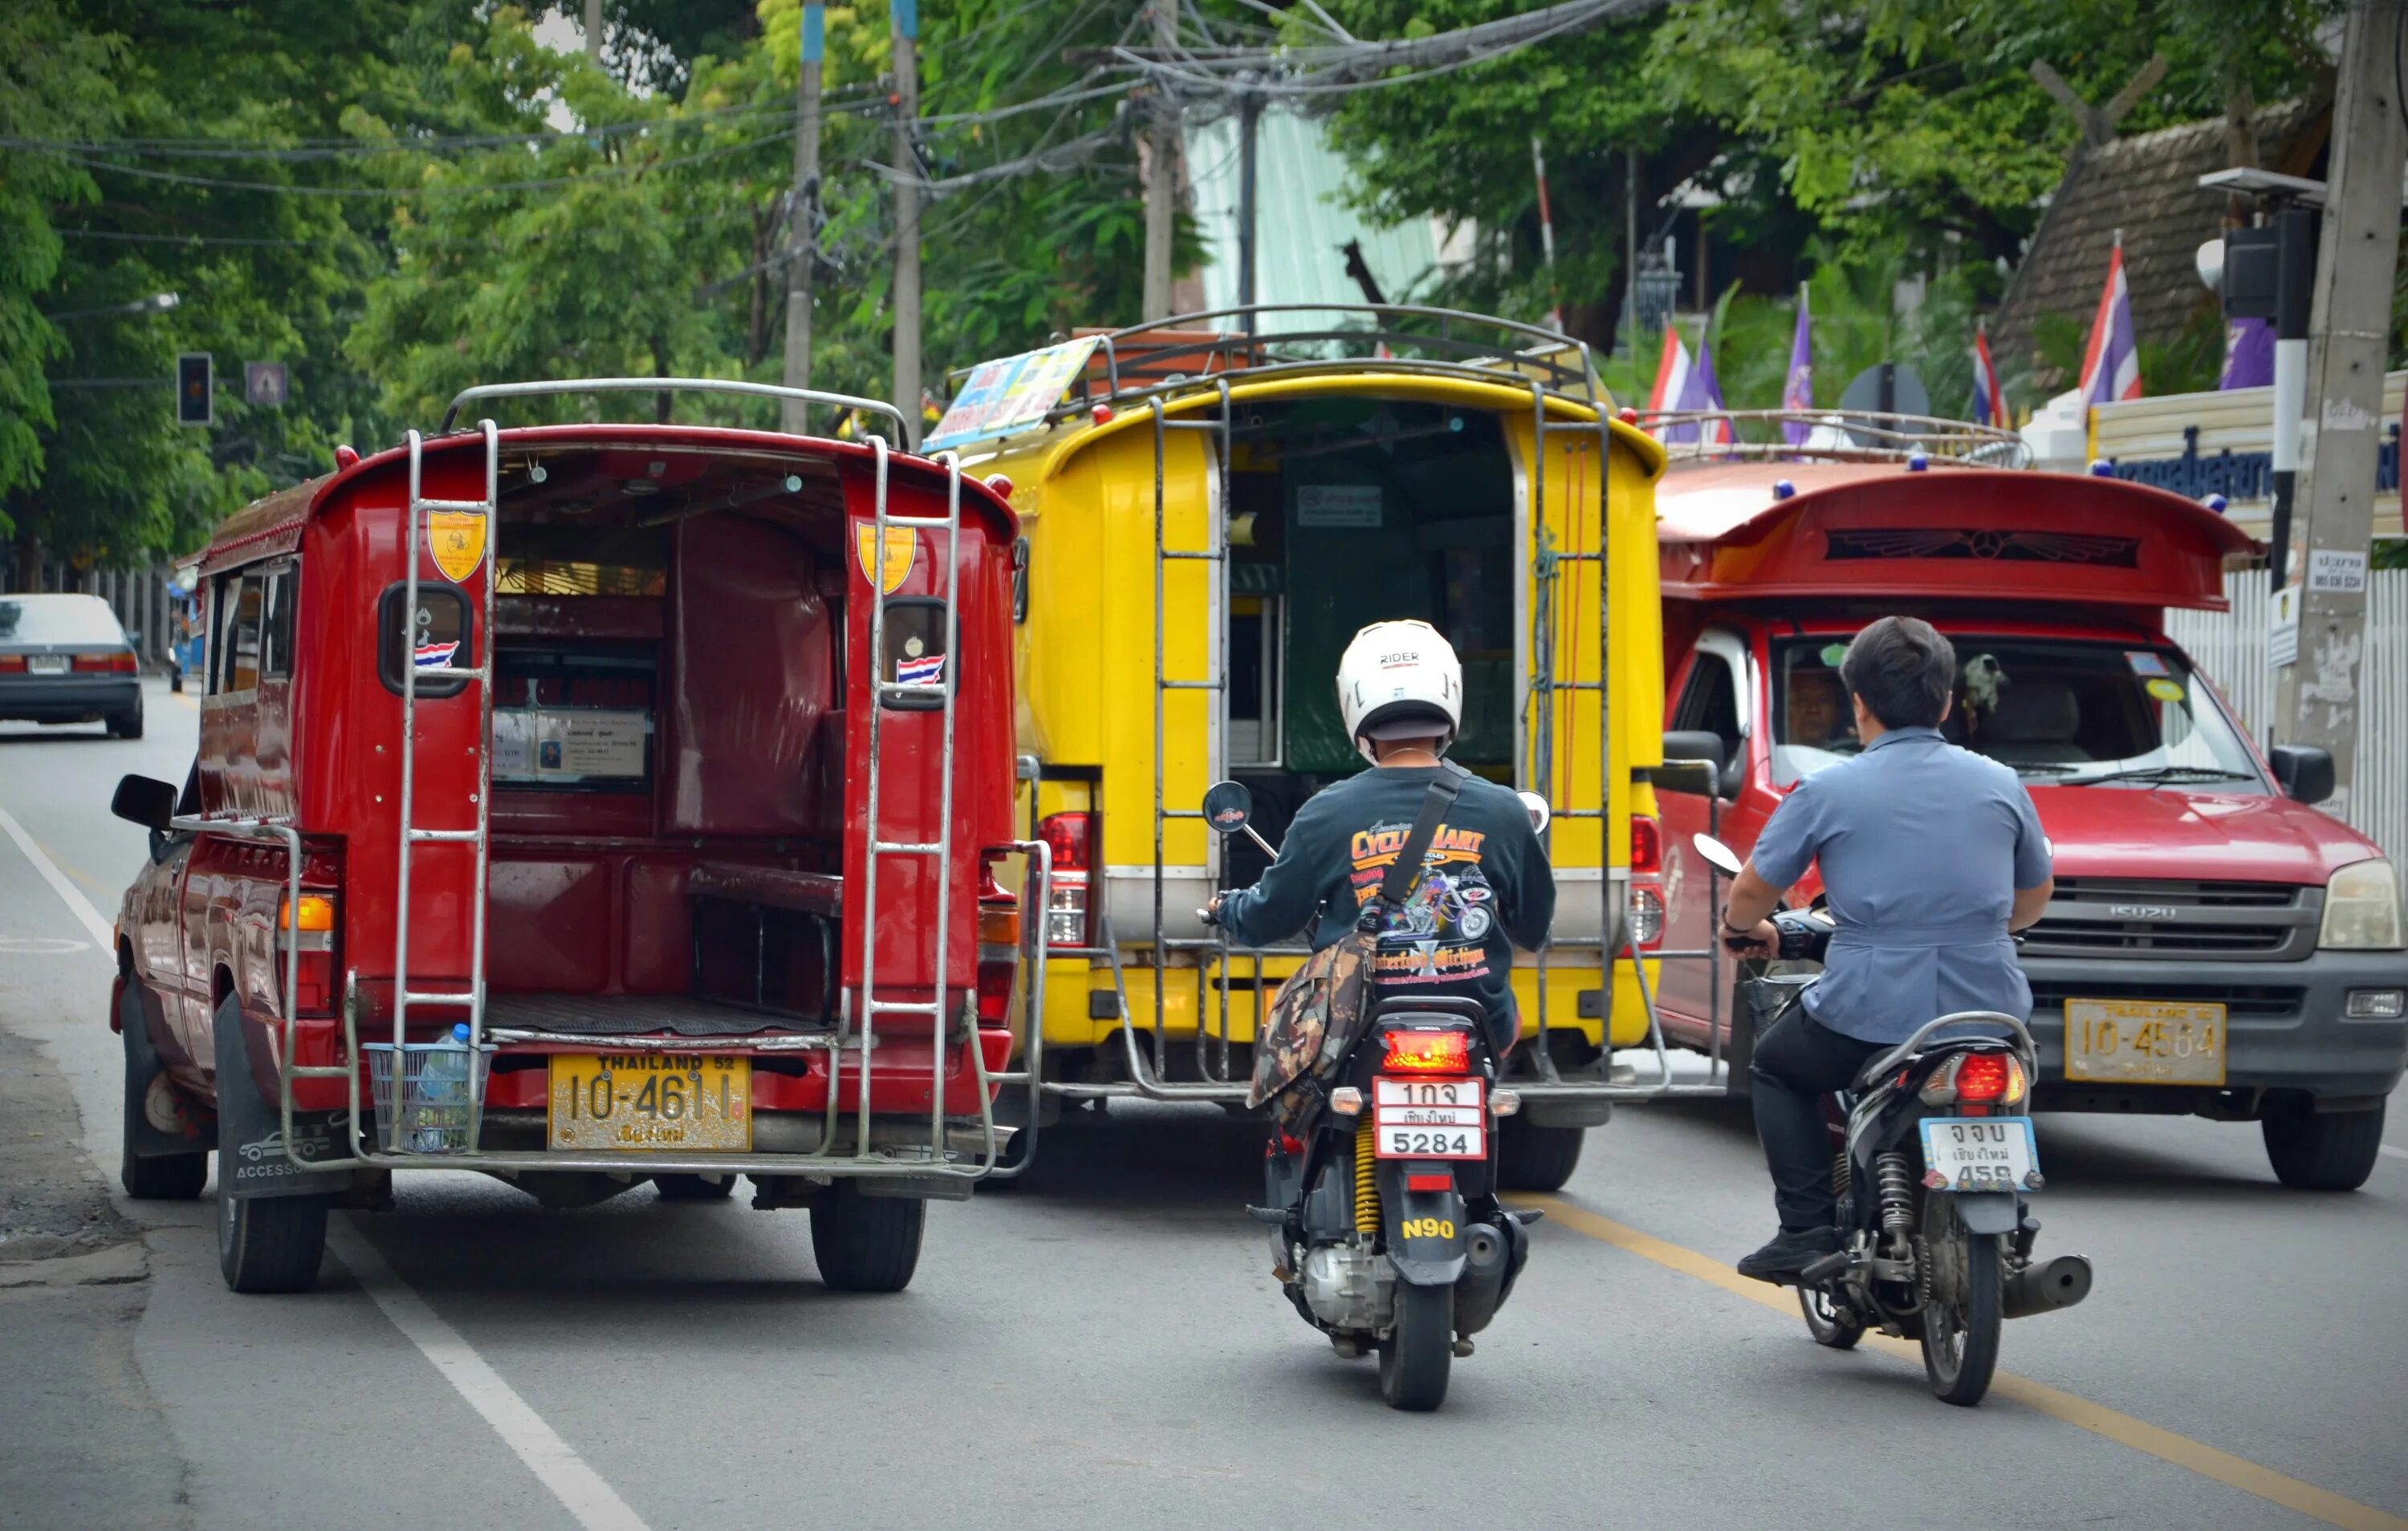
{"x": 1399, "y": 680}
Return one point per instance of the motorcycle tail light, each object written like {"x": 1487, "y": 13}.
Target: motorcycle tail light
{"x": 1982, "y": 1076}
{"x": 1346, "y": 1101}
{"x": 1977, "y": 1080}
{"x": 1428, "y": 1052}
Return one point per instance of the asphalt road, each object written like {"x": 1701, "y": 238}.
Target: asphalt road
{"x": 1103, "y": 1346}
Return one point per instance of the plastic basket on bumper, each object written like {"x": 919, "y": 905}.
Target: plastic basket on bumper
{"x": 442, "y": 1088}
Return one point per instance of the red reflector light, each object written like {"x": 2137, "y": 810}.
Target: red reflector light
{"x": 1439, "y": 1182}
{"x": 1646, "y": 846}
{"x": 116, "y": 663}
{"x": 1981, "y": 1075}
{"x": 1282, "y": 1143}
{"x": 1428, "y": 1052}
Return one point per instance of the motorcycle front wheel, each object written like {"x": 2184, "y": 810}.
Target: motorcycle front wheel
{"x": 1415, "y": 1359}
{"x": 1965, "y": 1307}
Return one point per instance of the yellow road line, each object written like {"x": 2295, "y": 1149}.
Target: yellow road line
{"x": 186, "y": 697}
{"x": 2123, "y": 1429}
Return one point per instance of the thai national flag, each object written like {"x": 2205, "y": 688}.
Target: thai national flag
{"x": 1672, "y": 385}
{"x": 1989, "y": 400}
{"x": 2249, "y": 355}
{"x": 1797, "y": 393}
{"x": 2110, "y": 368}
{"x": 928, "y": 671}
{"x": 1705, "y": 392}
{"x": 435, "y": 656}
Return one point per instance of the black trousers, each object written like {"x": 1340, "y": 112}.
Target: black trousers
{"x": 1797, "y": 1064}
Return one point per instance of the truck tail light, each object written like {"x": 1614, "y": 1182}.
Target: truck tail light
{"x": 1069, "y": 910}
{"x": 1647, "y": 909}
{"x": 120, "y": 662}
{"x": 998, "y": 945}
{"x": 1427, "y": 1051}
{"x": 309, "y": 927}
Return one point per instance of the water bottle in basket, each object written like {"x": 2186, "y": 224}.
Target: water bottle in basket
{"x": 439, "y": 1103}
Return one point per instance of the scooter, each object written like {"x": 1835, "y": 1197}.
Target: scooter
{"x": 1936, "y": 1155}
{"x": 1380, "y": 1182}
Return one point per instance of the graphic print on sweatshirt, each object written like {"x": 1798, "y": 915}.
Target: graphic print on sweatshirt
{"x": 1441, "y": 934}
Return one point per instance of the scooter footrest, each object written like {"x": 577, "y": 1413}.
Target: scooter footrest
{"x": 1527, "y": 1215}
{"x": 1824, "y": 1268}
{"x": 1268, "y": 1215}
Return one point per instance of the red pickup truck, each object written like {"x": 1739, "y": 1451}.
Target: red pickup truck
{"x": 587, "y": 805}
{"x": 2216, "y": 945}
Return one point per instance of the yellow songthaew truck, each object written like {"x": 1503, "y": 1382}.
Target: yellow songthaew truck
{"x": 1211, "y": 507}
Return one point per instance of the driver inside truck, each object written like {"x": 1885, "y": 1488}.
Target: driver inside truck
{"x": 1814, "y": 717}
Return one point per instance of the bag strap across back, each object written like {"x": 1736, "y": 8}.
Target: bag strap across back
{"x": 1402, "y": 872}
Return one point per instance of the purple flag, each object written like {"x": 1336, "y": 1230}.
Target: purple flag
{"x": 1703, "y": 390}
{"x": 1797, "y": 393}
{"x": 2249, "y": 355}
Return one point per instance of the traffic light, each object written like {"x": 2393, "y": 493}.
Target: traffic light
{"x": 195, "y": 389}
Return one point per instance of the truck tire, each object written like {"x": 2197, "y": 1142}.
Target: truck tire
{"x": 1533, "y": 1158}
{"x": 270, "y": 1243}
{"x": 694, "y": 1187}
{"x": 2313, "y": 1150}
{"x": 867, "y": 1243}
{"x": 1414, "y": 1360}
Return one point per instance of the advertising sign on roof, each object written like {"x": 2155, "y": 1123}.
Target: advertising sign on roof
{"x": 1010, "y": 395}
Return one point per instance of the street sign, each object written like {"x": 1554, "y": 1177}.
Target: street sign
{"x": 262, "y": 382}
{"x": 2282, "y": 628}
{"x": 195, "y": 389}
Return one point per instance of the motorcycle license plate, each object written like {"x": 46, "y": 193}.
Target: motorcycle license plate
{"x": 1429, "y": 1119}
{"x": 650, "y": 1103}
{"x": 1984, "y": 1154}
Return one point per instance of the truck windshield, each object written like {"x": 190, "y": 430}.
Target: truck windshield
{"x": 2065, "y": 713}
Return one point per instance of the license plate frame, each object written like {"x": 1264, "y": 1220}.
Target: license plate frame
{"x": 1975, "y": 1155}
{"x": 2146, "y": 1042}
{"x": 718, "y": 1087}
{"x": 46, "y": 665}
{"x": 1428, "y": 1118}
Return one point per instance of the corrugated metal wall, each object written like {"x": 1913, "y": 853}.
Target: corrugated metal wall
{"x": 2231, "y": 647}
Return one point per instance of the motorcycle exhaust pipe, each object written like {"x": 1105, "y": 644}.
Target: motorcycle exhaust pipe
{"x": 2043, "y": 1288}
{"x": 1479, "y": 1291}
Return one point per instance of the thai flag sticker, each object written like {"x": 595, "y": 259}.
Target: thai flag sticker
{"x": 928, "y": 671}
{"x": 435, "y": 656}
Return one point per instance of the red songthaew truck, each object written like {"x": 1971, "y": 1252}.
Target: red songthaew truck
{"x": 2216, "y": 945}
{"x": 588, "y": 803}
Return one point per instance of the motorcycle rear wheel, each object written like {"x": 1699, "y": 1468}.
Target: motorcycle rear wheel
{"x": 1960, "y": 1326}
{"x": 1415, "y": 1359}
{"x": 1832, "y": 1327}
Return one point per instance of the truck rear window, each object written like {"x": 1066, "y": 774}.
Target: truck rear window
{"x": 2069, "y": 713}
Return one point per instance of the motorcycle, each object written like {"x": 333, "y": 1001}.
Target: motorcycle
{"x": 1380, "y": 1181}
{"x": 1935, "y": 1156}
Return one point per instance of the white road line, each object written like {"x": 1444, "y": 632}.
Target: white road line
{"x": 579, "y": 1488}
{"x": 78, "y": 905}
{"x": 2394, "y": 1153}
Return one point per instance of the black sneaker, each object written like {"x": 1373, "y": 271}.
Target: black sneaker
{"x": 1792, "y": 1252}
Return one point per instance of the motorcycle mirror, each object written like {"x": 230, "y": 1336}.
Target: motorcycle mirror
{"x": 1227, "y": 806}
{"x": 1716, "y": 853}
{"x": 1539, "y": 813}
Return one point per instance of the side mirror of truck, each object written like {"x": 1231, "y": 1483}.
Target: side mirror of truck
{"x": 1692, "y": 761}
{"x": 2305, "y": 770}
{"x": 147, "y": 801}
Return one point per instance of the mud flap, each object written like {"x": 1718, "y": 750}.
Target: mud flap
{"x": 1425, "y": 1229}
{"x": 1987, "y": 1212}
{"x": 253, "y": 1160}
{"x": 162, "y": 1122}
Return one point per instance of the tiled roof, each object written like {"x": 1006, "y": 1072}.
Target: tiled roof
{"x": 2146, "y": 185}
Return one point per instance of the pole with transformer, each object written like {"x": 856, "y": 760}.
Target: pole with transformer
{"x": 1162, "y": 189}
{"x": 2316, "y": 701}
{"x": 906, "y": 105}
{"x": 803, "y": 236}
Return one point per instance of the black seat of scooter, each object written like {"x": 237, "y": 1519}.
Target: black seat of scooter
{"x": 1427, "y": 1008}
{"x": 1872, "y": 1073}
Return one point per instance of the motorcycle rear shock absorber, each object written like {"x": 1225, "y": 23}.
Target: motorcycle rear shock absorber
{"x": 1897, "y": 1184}
{"x": 1367, "y": 1182}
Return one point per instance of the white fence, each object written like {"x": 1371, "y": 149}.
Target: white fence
{"x": 2231, "y": 647}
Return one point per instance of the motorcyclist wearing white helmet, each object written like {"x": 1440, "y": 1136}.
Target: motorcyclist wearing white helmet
{"x": 1485, "y": 886}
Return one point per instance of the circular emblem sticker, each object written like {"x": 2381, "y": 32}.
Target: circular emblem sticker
{"x": 2166, "y": 691}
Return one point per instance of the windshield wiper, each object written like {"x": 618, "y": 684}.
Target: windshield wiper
{"x": 2165, "y": 773}
{"x": 2034, "y": 768}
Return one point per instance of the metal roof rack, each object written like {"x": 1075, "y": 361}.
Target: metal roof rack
{"x": 1836, "y": 436}
{"x": 666, "y": 385}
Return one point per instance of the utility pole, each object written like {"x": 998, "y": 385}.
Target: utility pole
{"x": 803, "y": 236}
{"x": 2317, "y": 702}
{"x": 1249, "y": 119}
{"x": 905, "y": 104}
{"x": 1162, "y": 191}
{"x": 594, "y": 32}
